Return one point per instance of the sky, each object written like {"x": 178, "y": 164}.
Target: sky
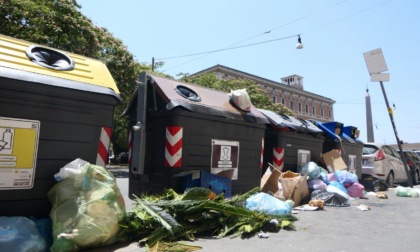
{"x": 259, "y": 37}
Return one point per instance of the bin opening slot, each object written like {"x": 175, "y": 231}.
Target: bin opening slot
{"x": 187, "y": 93}
{"x": 49, "y": 58}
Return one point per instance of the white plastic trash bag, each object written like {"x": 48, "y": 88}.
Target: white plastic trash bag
{"x": 241, "y": 99}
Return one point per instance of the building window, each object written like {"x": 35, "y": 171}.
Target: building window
{"x": 330, "y": 113}
{"x": 306, "y": 108}
{"x": 274, "y": 99}
{"x": 292, "y": 103}
{"x": 283, "y": 100}
{"x": 300, "y": 106}
{"x": 322, "y": 111}
{"x": 313, "y": 109}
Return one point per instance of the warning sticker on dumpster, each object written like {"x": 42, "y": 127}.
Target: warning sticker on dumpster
{"x": 224, "y": 157}
{"x": 18, "y": 149}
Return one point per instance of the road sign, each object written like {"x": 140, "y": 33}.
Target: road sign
{"x": 375, "y": 61}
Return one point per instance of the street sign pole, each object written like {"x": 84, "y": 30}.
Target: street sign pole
{"x": 396, "y": 135}
{"x": 375, "y": 62}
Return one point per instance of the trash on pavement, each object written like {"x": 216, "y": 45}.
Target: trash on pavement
{"x": 262, "y": 234}
{"x": 20, "y": 234}
{"x": 87, "y": 207}
{"x": 407, "y": 192}
{"x": 173, "y": 216}
{"x": 295, "y": 186}
{"x": 330, "y": 198}
{"x": 363, "y": 207}
{"x": 317, "y": 203}
{"x": 311, "y": 169}
{"x": 306, "y": 207}
{"x": 263, "y": 202}
{"x": 381, "y": 195}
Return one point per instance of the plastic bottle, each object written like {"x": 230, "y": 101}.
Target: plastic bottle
{"x": 66, "y": 172}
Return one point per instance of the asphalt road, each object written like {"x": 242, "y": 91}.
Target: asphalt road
{"x": 390, "y": 225}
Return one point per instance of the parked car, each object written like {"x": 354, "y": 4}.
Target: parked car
{"x": 384, "y": 162}
{"x": 413, "y": 163}
{"x": 417, "y": 152}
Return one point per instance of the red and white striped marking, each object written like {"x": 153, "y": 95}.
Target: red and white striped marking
{"x": 278, "y": 158}
{"x": 130, "y": 145}
{"x": 262, "y": 153}
{"x": 103, "y": 147}
{"x": 173, "y": 146}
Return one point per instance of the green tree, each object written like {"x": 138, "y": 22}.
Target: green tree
{"x": 60, "y": 24}
{"x": 257, "y": 94}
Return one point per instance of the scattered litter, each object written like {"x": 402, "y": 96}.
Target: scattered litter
{"x": 381, "y": 195}
{"x": 306, "y": 207}
{"x": 371, "y": 193}
{"x": 407, "y": 192}
{"x": 317, "y": 203}
{"x": 261, "y": 234}
{"x": 364, "y": 208}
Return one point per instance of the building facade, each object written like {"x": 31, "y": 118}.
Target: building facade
{"x": 289, "y": 92}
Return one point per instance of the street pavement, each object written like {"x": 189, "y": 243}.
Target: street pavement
{"x": 390, "y": 225}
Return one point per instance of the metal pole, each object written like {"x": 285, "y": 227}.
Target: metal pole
{"x": 396, "y": 136}
{"x": 153, "y": 64}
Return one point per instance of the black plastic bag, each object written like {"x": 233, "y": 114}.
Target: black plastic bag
{"x": 373, "y": 184}
{"x": 330, "y": 198}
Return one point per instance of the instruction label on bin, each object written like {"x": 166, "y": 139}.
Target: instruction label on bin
{"x": 304, "y": 157}
{"x": 18, "y": 149}
{"x": 351, "y": 164}
{"x": 224, "y": 156}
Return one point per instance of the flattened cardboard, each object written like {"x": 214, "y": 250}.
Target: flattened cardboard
{"x": 271, "y": 184}
{"x": 333, "y": 161}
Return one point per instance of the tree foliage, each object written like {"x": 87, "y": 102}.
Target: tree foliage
{"x": 60, "y": 24}
{"x": 257, "y": 94}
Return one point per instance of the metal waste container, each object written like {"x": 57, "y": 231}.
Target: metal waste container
{"x": 344, "y": 139}
{"x": 352, "y": 151}
{"x": 290, "y": 142}
{"x": 177, "y": 127}
{"x": 55, "y": 107}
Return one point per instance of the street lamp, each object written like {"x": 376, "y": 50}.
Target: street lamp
{"x": 299, "y": 45}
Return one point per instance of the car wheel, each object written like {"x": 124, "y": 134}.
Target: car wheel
{"x": 390, "y": 180}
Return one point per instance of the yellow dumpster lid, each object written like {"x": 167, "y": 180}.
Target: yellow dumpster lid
{"x": 21, "y": 55}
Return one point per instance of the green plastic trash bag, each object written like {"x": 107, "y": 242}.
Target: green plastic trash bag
{"x": 86, "y": 208}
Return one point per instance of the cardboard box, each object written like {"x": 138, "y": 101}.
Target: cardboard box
{"x": 333, "y": 161}
{"x": 270, "y": 183}
{"x": 204, "y": 179}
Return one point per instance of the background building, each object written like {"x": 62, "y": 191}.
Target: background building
{"x": 289, "y": 92}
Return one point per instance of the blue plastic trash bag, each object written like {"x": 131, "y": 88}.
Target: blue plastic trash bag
{"x": 323, "y": 175}
{"x": 19, "y": 234}
{"x": 311, "y": 169}
{"x": 263, "y": 202}
{"x": 337, "y": 187}
{"x": 344, "y": 176}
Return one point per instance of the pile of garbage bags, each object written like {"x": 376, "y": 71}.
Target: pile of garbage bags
{"x": 335, "y": 188}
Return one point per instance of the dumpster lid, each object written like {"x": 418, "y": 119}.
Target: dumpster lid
{"x": 201, "y": 99}
{"x": 281, "y": 120}
{"x": 49, "y": 63}
{"x": 326, "y": 130}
